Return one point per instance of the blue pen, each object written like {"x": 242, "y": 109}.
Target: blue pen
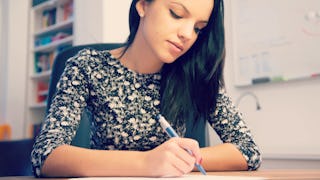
{"x": 172, "y": 133}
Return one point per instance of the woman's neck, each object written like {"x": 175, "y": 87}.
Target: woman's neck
{"x": 138, "y": 59}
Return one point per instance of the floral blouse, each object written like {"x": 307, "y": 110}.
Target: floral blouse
{"x": 124, "y": 105}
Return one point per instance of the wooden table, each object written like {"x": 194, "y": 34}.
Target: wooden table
{"x": 292, "y": 174}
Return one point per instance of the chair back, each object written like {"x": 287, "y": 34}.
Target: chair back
{"x": 15, "y": 157}
{"x": 82, "y": 137}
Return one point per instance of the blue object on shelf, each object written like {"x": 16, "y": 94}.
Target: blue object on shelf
{"x": 37, "y": 2}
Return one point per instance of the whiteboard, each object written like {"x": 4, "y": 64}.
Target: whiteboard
{"x": 275, "y": 40}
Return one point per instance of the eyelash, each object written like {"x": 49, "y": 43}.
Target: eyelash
{"x": 174, "y": 15}
{"x": 197, "y": 30}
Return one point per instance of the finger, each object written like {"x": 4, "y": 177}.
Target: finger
{"x": 181, "y": 153}
{"x": 192, "y": 146}
{"x": 173, "y": 166}
{"x": 180, "y": 165}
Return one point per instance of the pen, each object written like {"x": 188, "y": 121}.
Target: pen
{"x": 172, "y": 133}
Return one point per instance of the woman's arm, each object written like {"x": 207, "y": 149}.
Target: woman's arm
{"x": 71, "y": 161}
{"x": 236, "y": 136}
{"x": 62, "y": 120}
{"x": 169, "y": 159}
{"x": 223, "y": 157}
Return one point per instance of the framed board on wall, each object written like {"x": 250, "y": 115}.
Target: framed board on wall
{"x": 275, "y": 40}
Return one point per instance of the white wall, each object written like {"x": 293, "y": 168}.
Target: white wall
{"x": 3, "y": 31}
{"x": 287, "y": 125}
{"x": 15, "y": 66}
{"x": 101, "y": 21}
{"x": 88, "y": 17}
{"x": 116, "y": 23}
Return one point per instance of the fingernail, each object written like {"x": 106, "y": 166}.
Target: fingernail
{"x": 200, "y": 161}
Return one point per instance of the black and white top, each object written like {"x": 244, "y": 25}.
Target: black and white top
{"x": 124, "y": 105}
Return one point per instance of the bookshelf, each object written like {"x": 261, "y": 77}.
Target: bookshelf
{"x": 51, "y": 31}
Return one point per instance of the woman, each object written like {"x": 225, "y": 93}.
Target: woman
{"x": 171, "y": 64}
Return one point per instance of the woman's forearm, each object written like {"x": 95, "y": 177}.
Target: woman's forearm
{"x": 70, "y": 161}
{"x": 169, "y": 159}
{"x": 223, "y": 157}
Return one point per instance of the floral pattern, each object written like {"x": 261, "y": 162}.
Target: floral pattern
{"x": 124, "y": 105}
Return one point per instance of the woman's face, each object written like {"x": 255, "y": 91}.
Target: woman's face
{"x": 168, "y": 28}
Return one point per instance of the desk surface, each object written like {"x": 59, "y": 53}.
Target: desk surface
{"x": 268, "y": 174}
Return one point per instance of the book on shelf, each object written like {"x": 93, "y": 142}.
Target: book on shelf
{"x": 60, "y": 35}
{"x": 42, "y": 91}
{"x": 43, "y": 61}
{"x": 41, "y": 41}
{"x": 68, "y": 10}
{"x": 37, "y": 2}
{"x": 49, "y": 17}
{"x": 52, "y": 37}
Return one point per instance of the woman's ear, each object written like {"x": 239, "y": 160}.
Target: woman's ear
{"x": 140, "y": 6}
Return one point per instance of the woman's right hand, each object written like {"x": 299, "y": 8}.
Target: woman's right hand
{"x": 171, "y": 159}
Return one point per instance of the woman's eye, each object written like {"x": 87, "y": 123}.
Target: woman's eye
{"x": 173, "y": 14}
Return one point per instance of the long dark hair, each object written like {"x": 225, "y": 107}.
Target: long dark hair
{"x": 190, "y": 85}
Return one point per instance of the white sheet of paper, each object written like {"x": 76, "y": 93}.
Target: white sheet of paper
{"x": 196, "y": 177}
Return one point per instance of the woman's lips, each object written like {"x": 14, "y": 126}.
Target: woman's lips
{"x": 176, "y": 47}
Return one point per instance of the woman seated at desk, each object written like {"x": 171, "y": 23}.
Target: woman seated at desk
{"x": 171, "y": 64}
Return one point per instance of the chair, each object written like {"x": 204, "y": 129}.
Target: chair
{"x": 15, "y": 157}
{"x": 82, "y": 137}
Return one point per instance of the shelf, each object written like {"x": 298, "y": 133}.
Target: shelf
{"x": 41, "y": 76}
{"x": 43, "y": 93}
{"x": 38, "y": 105}
{"x": 51, "y": 31}
{"x": 57, "y": 27}
{"x": 48, "y": 5}
{"x": 45, "y": 5}
{"x": 52, "y": 46}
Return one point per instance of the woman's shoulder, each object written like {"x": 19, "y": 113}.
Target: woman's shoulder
{"x": 90, "y": 57}
{"x": 90, "y": 54}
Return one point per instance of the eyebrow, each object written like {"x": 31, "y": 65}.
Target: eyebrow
{"x": 178, "y": 3}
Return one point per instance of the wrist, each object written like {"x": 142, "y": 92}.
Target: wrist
{"x": 145, "y": 164}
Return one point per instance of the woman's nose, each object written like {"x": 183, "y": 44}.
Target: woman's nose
{"x": 186, "y": 31}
